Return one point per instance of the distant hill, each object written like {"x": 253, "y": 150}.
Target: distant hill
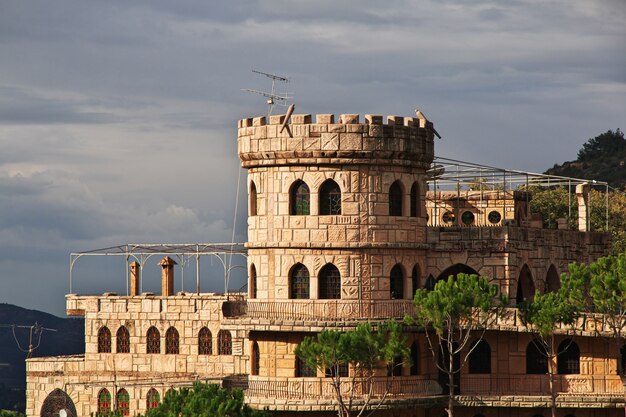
{"x": 602, "y": 158}
{"x": 69, "y": 338}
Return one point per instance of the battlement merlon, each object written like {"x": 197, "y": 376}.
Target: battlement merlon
{"x": 404, "y": 141}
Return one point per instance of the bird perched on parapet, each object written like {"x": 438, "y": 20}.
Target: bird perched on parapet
{"x": 421, "y": 116}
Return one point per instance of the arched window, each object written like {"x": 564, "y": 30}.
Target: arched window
{"x": 152, "y": 399}
{"x": 256, "y": 359}
{"x": 171, "y": 341}
{"x": 299, "y": 282}
{"x": 394, "y": 368}
{"x": 397, "y": 283}
{"x": 536, "y": 358}
{"x": 205, "y": 342}
{"x": 224, "y": 343}
{"x": 299, "y": 199}
{"x": 253, "y": 281}
{"x": 456, "y": 269}
{"x": 329, "y": 283}
{"x": 415, "y": 279}
{"x": 153, "y": 340}
{"x": 415, "y": 200}
{"x": 568, "y": 358}
{"x": 330, "y": 198}
{"x": 553, "y": 282}
{"x": 104, "y": 340}
{"x": 303, "y": 370}
{"x": 525, "y": 285}
{"x": 253, "y": 199}
{"x": 430, "y": 283}
{"x": 480, "y": 358}
{"x": 104, "y": 402}
{"x": 395, "y": 199}
{"x": 123, "y": 402}
{"x": 123, "y": 340}
{"x": 415, "y": 358}
{"x": 56, "y": 401}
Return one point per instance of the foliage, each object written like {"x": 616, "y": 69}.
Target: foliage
{"x": 204, "y": 400}
{"x": 544, "y": 315}
{"x": 454, "y": 310}
{"x": 552, "y": 204}
{"x": 601, "y": 158}
{"x": 7, "y": 413}
{"x": 364, "y": 350}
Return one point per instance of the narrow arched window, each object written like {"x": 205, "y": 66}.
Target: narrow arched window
{"x": 256, "y": 359}
{"x": 415, "y": 358}
{"x": 205, "y": 342}
{"x": 299, "y": 282}
{"x": 224, "y": 343}
{"x": 153, "y": 340}
{"x": 152, "y": 399}
{"x": 415, "y": 200}
{"x": 536, "y": 358}
{"x": 104, "y": 340}
{"x": 253, "y": 284}
{"x": 104, "y": 402}
{"x": 330, "y": 198}
{"x": 397, "y": 283}
{"x": 171, "y": 341}
{"x": 553, "y": 282}
{"x": 253, "y": 199}
{"x": 568, "y": 358}
{"x": 299, "y": 197}
{"x": 415, "y": 279}
{"x": 395, "y": 199}
{"x": 430, "y": 283}
{"x": 303, "y": 370}
{"x": 480, "y": 358}
{"x": 329, "y": 283}
{"x": 525, "y": 286}
{"x": 123, "y": 340}
{"x": 123, "y": 402}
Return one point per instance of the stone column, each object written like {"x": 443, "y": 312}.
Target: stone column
{"x": 582, "y": 195}
{"x": 167, "y": 276}
{"x": 135, "y": 267}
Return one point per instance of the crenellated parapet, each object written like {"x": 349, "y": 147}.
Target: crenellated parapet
{"x": 399, "y": 141}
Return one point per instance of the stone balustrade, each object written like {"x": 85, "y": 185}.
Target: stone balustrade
{"x": 530, "y": 385}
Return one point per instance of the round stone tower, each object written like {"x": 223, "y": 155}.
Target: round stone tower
{"x": 337, "y": 217}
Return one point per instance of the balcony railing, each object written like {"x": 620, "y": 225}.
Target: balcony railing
{"x": 318, "y": 309}
{"x": 321, "y": 388}
{"x": 610, "y": 385}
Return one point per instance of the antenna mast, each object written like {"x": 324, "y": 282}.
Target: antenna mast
{"x": 272, "y": 97}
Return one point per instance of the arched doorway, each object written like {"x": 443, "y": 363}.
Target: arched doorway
{"x": 55, "y": 403}
{"x": 443, "y": 361}
{"x": 456, "y": 269}
{"x": 525, "y": 285}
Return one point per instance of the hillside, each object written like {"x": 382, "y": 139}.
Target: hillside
{"x": 602, "y": 158}
{"x": 69, "y": 338}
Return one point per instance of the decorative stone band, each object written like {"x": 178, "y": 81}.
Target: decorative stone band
{"x": 404, "y": 141}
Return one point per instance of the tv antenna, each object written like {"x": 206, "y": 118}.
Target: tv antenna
{"x": 272, "y": 97}
{"x": 36, "y": 331}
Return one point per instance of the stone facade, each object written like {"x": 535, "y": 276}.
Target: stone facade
{"x": 341, "y": 229}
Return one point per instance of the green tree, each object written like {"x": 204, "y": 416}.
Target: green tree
{"x": 456, "y": 309}
{"x": 204, "y": 400}
{"x": 364, "y": 350}
{"x": 544, "y": 315}
{"x": 606, "y": 279}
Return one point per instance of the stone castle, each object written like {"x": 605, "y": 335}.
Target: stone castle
{"x": 344, "y": 224}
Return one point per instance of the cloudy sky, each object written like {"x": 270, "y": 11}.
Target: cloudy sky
{"x": 118, "y": 118}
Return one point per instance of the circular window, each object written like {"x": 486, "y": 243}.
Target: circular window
{"x": 494, "y": 217}
{"x": 448, "y": 217}
{"x": 467, "y": 218}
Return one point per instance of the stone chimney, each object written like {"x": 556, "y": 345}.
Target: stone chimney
{"x": 135, "y": 267}
{"x": 582, "y": 195}
{"x": 167, "y": 276}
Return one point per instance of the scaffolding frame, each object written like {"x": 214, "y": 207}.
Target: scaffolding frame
{"x": 184, "y": 253}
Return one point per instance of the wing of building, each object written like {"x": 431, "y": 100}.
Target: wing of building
{"x": 346, "y": 219}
